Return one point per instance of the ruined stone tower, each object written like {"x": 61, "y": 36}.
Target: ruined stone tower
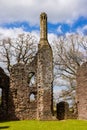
{"x": 44, "y": 73}
{"x": 81, "y": 91}
{"x": 21, "y": 106}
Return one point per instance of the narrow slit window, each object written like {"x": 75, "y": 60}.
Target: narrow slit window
{"x": 32, "y": 79}
{"x": 0, "y": 96}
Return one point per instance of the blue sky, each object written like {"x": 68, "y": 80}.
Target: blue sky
{"x": 64, "y": 16}
{"x": 57, "y": 28}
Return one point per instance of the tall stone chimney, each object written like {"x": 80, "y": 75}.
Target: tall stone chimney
{"x": 43, "y": 30}
{"x": 44, "y": 73}
{"x": 43, "y": 26}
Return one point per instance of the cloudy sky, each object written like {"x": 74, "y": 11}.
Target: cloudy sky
{"x": 64, "y": 16}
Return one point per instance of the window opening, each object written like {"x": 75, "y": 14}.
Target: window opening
{"x": 0, "y": 96}
{"x": 31, "y": 79}
{"x": 32, "y": 97}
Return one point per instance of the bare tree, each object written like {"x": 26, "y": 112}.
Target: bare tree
{"x": 6, "y": 52}
{"x": 21, "y": 49}
{"x": 69, "y": 53}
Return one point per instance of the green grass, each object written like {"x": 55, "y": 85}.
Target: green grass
{"x": 44, "y": 125}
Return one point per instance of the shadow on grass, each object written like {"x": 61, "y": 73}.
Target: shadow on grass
{"x": 3, "y": 127}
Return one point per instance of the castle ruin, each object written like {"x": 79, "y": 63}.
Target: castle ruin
{"x": 31, "y": 90}
{"x": 28, "y": 94}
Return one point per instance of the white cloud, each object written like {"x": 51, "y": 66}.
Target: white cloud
{"x": 85, "y": 27}
{"x": 4, "y": 32}
{"x": 82, "y": 30}
{"x": 13, "y": 33}
{"x": 59, "y": 29}
{"x": 29, "y": 10}
{"x": 51, "y": 37}
{"x": 36, "y": 34}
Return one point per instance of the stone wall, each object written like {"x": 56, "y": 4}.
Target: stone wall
{"x": 44, "y": 74}
{"x": 4, "y": 85}
{"x": 20, "y": 83}
{"x": 44, "y": 83}
{"x": 20, "y": 106}
{"x": 82, "y": 91}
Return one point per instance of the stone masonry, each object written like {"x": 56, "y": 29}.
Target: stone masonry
{"x": 44, "y": 73}
{"x": 4, "y": 85}
{"x": 41, "y": 70}
{"x": 82, "y": 91}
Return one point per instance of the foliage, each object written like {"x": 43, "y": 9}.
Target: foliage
{"x": 44, "y": 125}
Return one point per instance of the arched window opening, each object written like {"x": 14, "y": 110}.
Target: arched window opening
{"x": 62, "y": 110}
{"x": 32, "y": 97}
{"x": 32, "y": 79}
{"x": 44, "y": 17}
{"x": 0, "y": 96}
{"x": 41, "y": 17}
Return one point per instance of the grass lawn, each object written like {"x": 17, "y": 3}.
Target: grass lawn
{"x": 44, "y": 125}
